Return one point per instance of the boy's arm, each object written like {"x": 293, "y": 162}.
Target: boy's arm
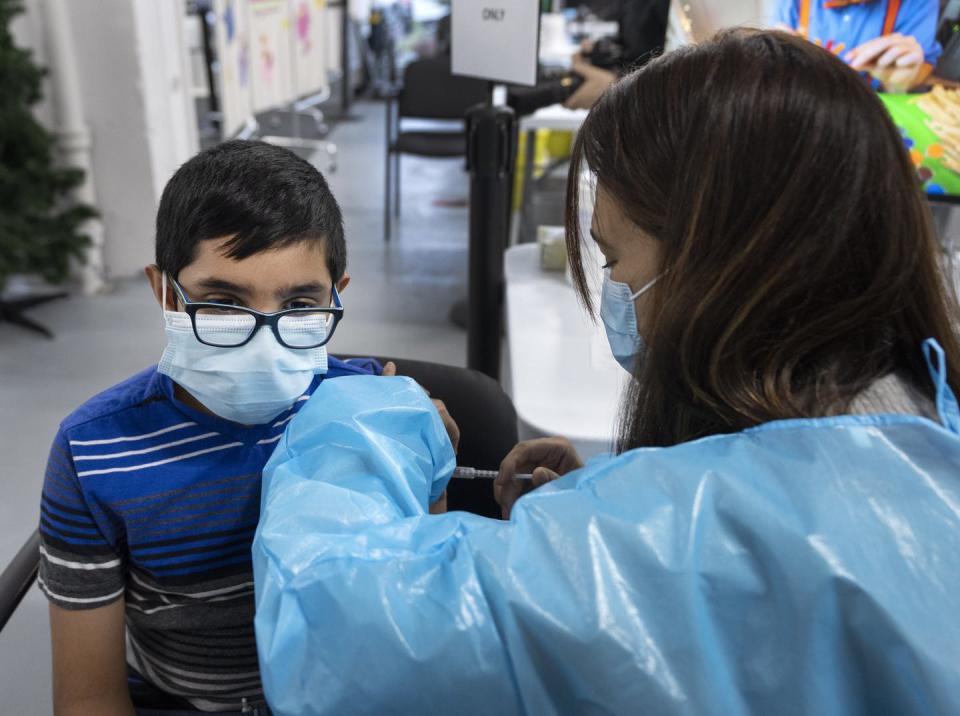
{"x": 83, "y": 574}
{"x": 89, "y": 661}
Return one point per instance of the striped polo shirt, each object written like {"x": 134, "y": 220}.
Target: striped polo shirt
{"x": 149, "y": 499}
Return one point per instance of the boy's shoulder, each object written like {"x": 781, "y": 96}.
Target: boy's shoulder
{"x": 352, "y": 366}
{"x": 136, "y": 391}
{"x": 147, "y": 392}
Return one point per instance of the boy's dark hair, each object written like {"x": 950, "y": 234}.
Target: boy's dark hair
{"x": 264, "y": 196}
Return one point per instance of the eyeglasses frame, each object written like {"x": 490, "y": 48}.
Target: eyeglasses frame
{"x": 262, "y": 319}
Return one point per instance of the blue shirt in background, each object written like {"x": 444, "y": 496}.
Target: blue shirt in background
{"x": 852, "y": 25}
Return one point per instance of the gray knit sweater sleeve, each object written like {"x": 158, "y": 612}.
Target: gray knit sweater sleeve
{"x": 893, "y": 394}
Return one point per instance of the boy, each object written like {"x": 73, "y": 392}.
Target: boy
{"x": 152, "y": 490}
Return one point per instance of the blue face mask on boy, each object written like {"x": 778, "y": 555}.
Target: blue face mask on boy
{"x": 619, "y": 315}
{"x": 249, "y": 384}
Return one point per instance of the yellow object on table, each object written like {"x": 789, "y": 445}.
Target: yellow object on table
{"x": 550, "y": 144}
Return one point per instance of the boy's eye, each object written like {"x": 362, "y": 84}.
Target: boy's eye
{"x": 228, "y": 305}
{"x": 301, "y": 303}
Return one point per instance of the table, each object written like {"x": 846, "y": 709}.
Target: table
{"x": 563, "y": 378}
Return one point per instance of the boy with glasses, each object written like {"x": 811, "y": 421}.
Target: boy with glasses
{"x": 152, "y": 490}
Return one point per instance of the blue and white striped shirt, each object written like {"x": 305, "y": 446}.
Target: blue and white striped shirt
{"x": 149, "y": 499}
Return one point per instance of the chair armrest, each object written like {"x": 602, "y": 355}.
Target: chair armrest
{"x": 18, "y": 577}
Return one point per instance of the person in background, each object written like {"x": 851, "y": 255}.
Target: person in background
{"x": 893, "y": 40}
{"x": 643, "y": 32}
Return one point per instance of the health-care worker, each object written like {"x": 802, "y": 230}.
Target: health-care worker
{"x": 893, "y": 40}
{"x": 779, "y": 529}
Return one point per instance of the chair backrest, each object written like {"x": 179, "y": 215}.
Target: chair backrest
{"x": 487, "y": 421}
{"x": 430, "y": 91}
{"x": 18, "y": 577}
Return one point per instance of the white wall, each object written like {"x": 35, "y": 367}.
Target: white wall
{"x": 170, "y": 113}
{"x": 134, "y": 74}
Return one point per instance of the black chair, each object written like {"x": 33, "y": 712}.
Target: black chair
{"x": 18, "y": 577}
{"x": 429, "y": 91}
{"x": 487, "y": 421}
{"x": 488, "y": 426}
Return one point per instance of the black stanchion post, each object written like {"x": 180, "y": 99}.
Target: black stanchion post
{"x": 346, "y": 86}
{"x": 491, "y": 149}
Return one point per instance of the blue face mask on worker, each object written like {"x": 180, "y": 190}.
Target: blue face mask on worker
{"x": 249, "y": 384}
{"x": 619, "y": 315}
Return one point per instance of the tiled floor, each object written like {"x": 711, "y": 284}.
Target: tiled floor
{"x": 396, "y": 305}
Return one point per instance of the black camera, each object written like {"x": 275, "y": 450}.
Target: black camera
{"x": 556, "y": 87}
{"x": 551, "y": 89}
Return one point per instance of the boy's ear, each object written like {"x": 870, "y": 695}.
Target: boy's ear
{"x": 343, "y": 283}
{"x": 155, "y": 277}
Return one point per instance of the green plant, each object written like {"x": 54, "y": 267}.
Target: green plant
{"x": 39, "y": 223}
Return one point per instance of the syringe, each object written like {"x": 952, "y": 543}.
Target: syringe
{"x": 472, "y": 473}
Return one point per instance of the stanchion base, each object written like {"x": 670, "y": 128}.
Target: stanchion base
{"x": 12, "y": 312}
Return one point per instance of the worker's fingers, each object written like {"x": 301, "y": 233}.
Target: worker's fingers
{"x": 507, "y": 491}
{"x": 390, "y": 369}
{"x": 557, "y": 454}
{"x": 440, "y": 506}
{"x": 453, "y": 430}
{"x": 546, "y": 458}
{"x": 543, "y": 475}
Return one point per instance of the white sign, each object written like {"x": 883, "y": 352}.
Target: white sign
{"x": 496, "y": 39}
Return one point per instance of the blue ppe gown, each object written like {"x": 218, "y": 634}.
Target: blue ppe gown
{"x": 799, "y": 567}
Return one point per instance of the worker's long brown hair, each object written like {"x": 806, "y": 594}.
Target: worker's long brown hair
{"x": 799, "y": 260}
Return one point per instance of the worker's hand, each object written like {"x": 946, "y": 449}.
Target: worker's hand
{"x": 595, "y": 83}
{"x": 896, "y": 60}
{"x": 546, "y": 458}
{"x": 453, "y": 430}
{"x": 440, "y": 506}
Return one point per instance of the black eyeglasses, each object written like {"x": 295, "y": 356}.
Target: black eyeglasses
{"x": 224, "y": 326}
